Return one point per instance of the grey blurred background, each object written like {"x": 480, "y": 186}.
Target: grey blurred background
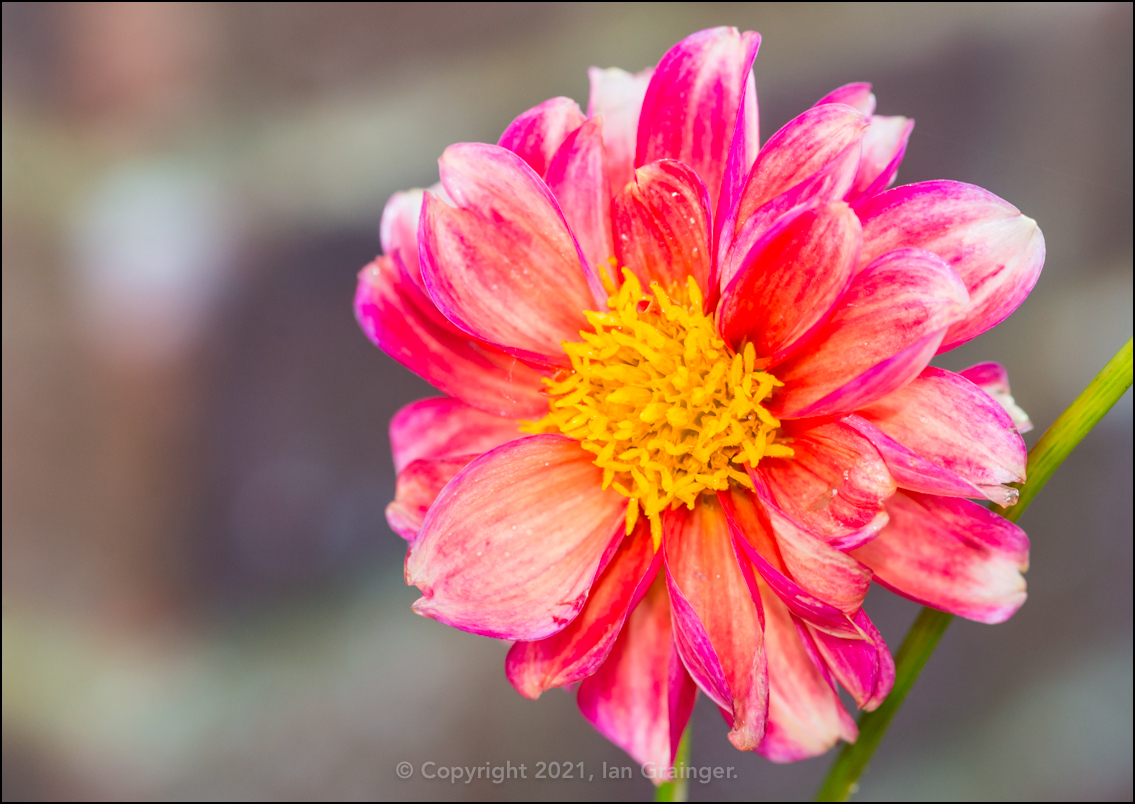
{"x": 201, "y": 597}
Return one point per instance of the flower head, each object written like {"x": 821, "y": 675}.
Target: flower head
{"x": 689, "y": 413}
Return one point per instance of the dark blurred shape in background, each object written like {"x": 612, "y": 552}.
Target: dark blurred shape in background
{"x": 201, "y": 597}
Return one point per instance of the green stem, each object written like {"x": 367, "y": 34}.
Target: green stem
{"x": 679, "y": 789}
{"x": 1054, "y": 446}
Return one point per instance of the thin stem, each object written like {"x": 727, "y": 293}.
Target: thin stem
{"x": 679, "y": 789}
{"x": 1054, "y": 446}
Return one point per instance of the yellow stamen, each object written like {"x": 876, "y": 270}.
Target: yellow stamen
{"x": 665, "y": 405}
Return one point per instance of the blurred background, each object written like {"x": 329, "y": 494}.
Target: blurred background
{"x": 201, "y": 597}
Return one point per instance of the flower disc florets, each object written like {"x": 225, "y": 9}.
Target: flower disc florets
{"x": 668, "y": 409}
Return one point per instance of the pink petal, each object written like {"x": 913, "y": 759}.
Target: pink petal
{"x": 742, "y": 155}
{"x": 945, "y": 419}
{"x": 503, "y": 265}
{"x": 822, "y": 571}
{"x": 858, "y": 96}
{"x": 398, "y": 231}
{"x": 880, "y": 336}
{"x": 512, "y": 545}
{"x": 829, "y": 184}
{"x": 951, "y": 554}
{"x": 994, "y": 380}
{"x": 537, "y": 134}
{"x": 641, "y": 697}
{"x": 997, "y": 251}
{"x": 616, "y": 96}
{"x": 884, "y": 144}
{"x": 863, "y": 667}
{"x": 402, "y": 322}
{"x": 661, "y": 223}
{"x": 689, "y": 112}
{"x": 578, "y": 179}
{"x": 716, "y": 621}
{"x": 577, "y": 651}
{"x": 417, "y": 488}
{"x": 835, "y": 484}
{"x": 439, "y": 427}
{"x": 789, "y": 280}
{"x": 753, "y": 537}
{"x": 805, "y": 716}
{"x": 804, "y": 147}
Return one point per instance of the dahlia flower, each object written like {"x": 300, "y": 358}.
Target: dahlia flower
{"x": 689, "y": 415}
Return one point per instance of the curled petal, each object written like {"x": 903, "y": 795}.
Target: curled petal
{"x": 827, "y": 185}
{"x": 824, "y": 572}
{"x": 503, "y": 265}
{"x": 863, "y": 667}
{"x": 834, "y": 486}
{"x": 884, "y": 145}
{"x": 662, "y": 225}
{"x": 997, "y": 251}
{"x": 641, "y": 697}
{"x": 753, "y": 537}
{"x": 789, "y": 280}
{"x": 577, "y": 651}
{"x": 512, "y": 545}
{"x": 858, "y": 96}
{"x": 945, "y": 419}
{"x": 994, "y": 380}
{"x": 537, "y": 134}
{"x": 398, "y": 231}
{"x": 402, "y": 322}
{"x": 950, "y": 554}
{"x": 879, "y": 337}
{"x": 689, "y": 112}
{"x": 716, "y": 621}
{"x": 417, "y": 488}
{"x": 804, "y": 147}
{"x": 805, "y": 716}
{"x": 616, "y": 96}
{"x": 578, "y": 179}
{"x": 440, "y": 427}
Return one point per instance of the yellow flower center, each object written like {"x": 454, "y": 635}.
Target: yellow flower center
{"x": 668, "y": 409}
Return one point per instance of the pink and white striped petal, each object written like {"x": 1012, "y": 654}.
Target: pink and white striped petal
{"x": 804, "y": 147}
{"x": 537, "y": 134}
{"x": 577, "y": 651}
{"x": 503, "y": 265}
{"x": 997, "y": 251}
{"x": 945, "y": 419}
{"x": 417, "y": 488}
{"x": 512, "y": 545}
{"x": 834, "y": 486}
{"x": 716, "y": 620}
{"x": 994, "y": 380}
{"x": 616, "y": 96}
{"x": 577, "y": 177}
{"x": 641, "y": 697}
{"x": 950, "y": 554}
{"x": 828, "y": 185}
{"x": 661, "y": 222}
{"x": 881, "y": 335}
{"x": 402, "y": 322}
{"x": 398, "y": 231}
{"x": 805, "y": 716}
{"x": 884, "y": 145}
{"x": 689, "y": 111}
{"x": 789, "y": 280}
{"x": 858, "y": 96}
{"x": 440, "y": 427}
